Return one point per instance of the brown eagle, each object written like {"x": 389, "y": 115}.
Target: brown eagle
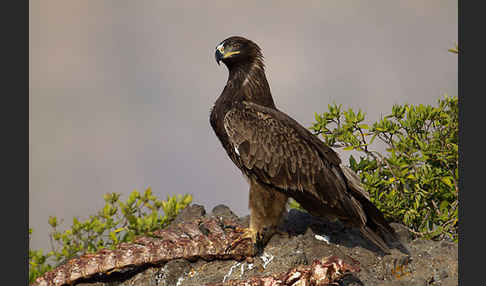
{"x": 280, "y": 158}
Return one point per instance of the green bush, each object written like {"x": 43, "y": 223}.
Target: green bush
{"x": 415, "y": 181}
{"x": 117, "y": 222}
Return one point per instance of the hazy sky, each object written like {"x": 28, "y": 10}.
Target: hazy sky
{"x": 120, "y": 91}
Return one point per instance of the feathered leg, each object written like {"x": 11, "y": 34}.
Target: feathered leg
{"x": 266, "y": 209}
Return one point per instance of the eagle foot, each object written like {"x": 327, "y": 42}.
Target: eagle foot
{"x": 248, "y": 234}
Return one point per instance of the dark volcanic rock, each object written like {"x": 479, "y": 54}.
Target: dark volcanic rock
{"x": 223, "y": 211}
{"x": 190, "y": 213}
{"x": 301, "y": 240}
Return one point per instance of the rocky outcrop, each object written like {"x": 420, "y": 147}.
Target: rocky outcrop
{"x": 306, "y": 251}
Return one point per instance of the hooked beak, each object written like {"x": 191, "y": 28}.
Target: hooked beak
{"x": 222, "y": 53}
{"x": 219, "y": 56}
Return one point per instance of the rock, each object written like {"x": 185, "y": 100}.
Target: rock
{"x": 223, "y": 212}
{"x": 189, "y": 213}
{"x": 174, "y": 272}
{"x": 402, "y": 232}
{"x": 301, "y": 241}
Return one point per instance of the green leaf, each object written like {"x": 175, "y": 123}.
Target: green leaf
{"x": 352, "y": 163}
{"x": 113, "y": 237}
{"x": 411, "y": 176}
{"x": 53, "y": 221}
{"x": 447, "y": 181}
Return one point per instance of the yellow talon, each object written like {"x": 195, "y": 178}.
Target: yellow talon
{"x": 247, "y": 234}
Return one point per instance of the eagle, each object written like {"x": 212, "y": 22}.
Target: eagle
{"x": 280, "y": 158}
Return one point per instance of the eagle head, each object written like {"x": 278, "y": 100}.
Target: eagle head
{"x": 236, "y": 51}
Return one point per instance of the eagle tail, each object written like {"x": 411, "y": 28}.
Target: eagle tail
{"x": 371, "y": 235}
{"x": 377, "y": 228}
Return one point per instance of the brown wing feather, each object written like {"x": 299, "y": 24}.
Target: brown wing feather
{"x": 272, "y": 149}
{"x": 278, "y": 151}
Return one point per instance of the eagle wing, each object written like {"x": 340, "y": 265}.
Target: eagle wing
{"x": 278, "y": 151}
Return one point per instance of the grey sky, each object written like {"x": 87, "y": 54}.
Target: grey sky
{"x": 120, "y": 91}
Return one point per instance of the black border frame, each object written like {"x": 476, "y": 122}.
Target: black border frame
{"x": 15, "y": 203}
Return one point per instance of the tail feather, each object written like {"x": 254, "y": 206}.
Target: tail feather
{"x": 375, "y": 238}
{"x": 376, "y": 228}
